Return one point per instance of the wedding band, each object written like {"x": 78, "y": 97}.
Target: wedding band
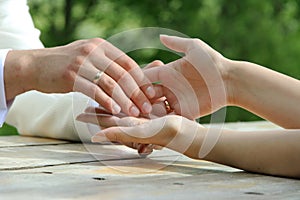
{"x": 97, "y": 76}
{"x": 168, "y": 107}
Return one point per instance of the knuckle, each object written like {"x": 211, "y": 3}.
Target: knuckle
{"x": 122, "y": 76}
{"x": 97, "y": 40}
{"x": 136, "y": 94}
{"x": 131, "y": 65}
{"x": 78, "y": 61}
{"x": 106, "y": 102}
{"x": 93, "y": 89}
{"x": 87, "y": 48}
{"x": 109, "y": 85}
{"x": 157, "y": 63}
{"x": 69, "y": 75}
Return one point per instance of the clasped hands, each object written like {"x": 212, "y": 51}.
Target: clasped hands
{"x": 187, "y": 88}
{"x": 134, "y": 111}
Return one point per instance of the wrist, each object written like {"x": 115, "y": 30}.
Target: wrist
{"x": 231, "y": 78}
{"x": 18, "y": 76}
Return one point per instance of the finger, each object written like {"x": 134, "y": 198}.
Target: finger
{"x": 130, "y": 66}
{"x": 144, "y": 150}
{"x": 130, "y": 87}
{"x": 114, "y": 90}
{"x": 88, "y": 71}
{"x": 102, "y": 111}
{"x": 153, "y": 132}
{"x": 107, "y": 120}
{"x": 173, "y": 91}
{"x": 120, "y": 134}
{"x": 98, "y": 110}
{"x": 175, "y": 43}
{"x": 104, "y": 120}
{"x": 93, "y": 91}
{"x": 136, "y": 72}
{"x": 155, "y": 63}
{"x": 162, "y": 94}
{"x": 133, "y": 91}
{"x": 153, "y": 74}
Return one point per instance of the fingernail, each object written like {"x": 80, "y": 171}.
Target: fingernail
{"x": 147, "y": 108}
{"x": 134, "y": 111}
{"x": 116, "y": 109}
{"x": 144, "y": 151}
{"x": 150, "y": 92}
{"x": 99, "y": 138}
{"x": 147, "y": 150}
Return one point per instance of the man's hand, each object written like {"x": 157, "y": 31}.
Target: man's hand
{"x": 94, "y": 67}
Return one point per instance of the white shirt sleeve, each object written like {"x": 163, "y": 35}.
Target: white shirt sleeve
{"x": 3, "y": 103}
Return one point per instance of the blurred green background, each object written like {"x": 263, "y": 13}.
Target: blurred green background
{"x": 265, "y": 32}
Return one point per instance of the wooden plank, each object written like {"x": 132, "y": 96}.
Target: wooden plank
{"x": 203, "y": 180}
{"x": 72, "y": 171}
{"x": 12, "y": 158}
{"x": 15, "y": 141}
{"x": 38, "y": 156}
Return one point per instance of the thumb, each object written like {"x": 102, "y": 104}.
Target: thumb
{"x": 155, "y": 63}
{"x": 175, "y": 43}
{"x": 153, "y": 73}
{"x": 116, "y": 134}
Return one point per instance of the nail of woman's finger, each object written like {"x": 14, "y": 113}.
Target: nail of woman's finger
{"x": 144, "y": 150}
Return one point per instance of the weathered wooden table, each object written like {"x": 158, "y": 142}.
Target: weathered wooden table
{"x": 37, "y": 168}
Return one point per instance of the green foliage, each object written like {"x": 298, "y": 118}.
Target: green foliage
{"x": 7, "y": 130}
{"x": 266, "y": 32}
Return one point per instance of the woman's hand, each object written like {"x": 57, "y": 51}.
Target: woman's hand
{"x": 94, "y": 67}
{"x": 194, "y": 85}
{"x": 255, "y": 151}
{"x": 104, "y": 119}
{"x": 172, "y": 131}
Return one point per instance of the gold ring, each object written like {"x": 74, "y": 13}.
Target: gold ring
{"x": 97, "y": 76}
{"x": 168, "y": 107}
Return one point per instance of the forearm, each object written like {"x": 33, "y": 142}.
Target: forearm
{"x": 273, "y": 152}
{"x": 267, "y": 93}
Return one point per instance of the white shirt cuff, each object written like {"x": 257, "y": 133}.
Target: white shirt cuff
{"x": 4, "y": 105}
